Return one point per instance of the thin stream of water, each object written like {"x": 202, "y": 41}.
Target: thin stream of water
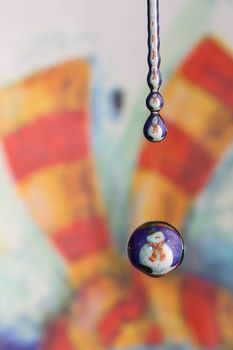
{"x": 154, "y": 129}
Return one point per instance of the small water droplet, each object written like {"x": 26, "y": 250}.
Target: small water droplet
{"x": 156, "y": 248}
{"x": 155, "y": 129}
{"x": 154, "y": 102}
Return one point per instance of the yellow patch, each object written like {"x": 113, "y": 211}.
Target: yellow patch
{"x": 224, "y": 312}
{"x": 59, "y": 195}
{"x": 166, "y": 307}
{"x": 132, "y": 334}
{"x": 155, "y": 196}
{"x": 201, "y": 115}
{"x": 65, "y": 87}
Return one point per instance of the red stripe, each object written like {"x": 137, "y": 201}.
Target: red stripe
{"x": 153, "y": 336}
{"x": 211, "y": 68}
{"x": 57, "y": 337}
{"x": 129, "y": 310}
{"x": 199, "y": 307}
{"x": 82, "y": 238}
{"x": 50, "y": 139}
{"x": 181, "y": 159}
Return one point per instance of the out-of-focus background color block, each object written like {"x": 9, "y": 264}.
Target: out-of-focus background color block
{"x": 76, "y": 175}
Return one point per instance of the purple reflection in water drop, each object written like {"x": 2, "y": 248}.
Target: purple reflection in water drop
{"x": 155, "y": 129}
{"x": 156, "y": 248}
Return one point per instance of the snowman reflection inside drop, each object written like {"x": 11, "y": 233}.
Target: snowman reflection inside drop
{"x": 156, "y": 254}
{"x": 155, "y": 131}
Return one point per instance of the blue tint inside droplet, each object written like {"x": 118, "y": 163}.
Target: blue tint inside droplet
{"x": 156, "y": 248}
{"x": 155, "y": 129}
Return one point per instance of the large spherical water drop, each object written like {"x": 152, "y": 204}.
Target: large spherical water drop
{"x": 156, "y": 248}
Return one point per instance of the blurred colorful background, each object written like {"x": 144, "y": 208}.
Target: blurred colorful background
{"x": 76, "y": 176}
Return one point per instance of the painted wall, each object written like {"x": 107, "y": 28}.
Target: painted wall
{"x": 76, "y": 175}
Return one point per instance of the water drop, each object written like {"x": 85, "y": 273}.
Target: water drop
{"x": 156, "y": 248}
{"x": 155, "y": 129}
{"x": 154, "y": 102}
